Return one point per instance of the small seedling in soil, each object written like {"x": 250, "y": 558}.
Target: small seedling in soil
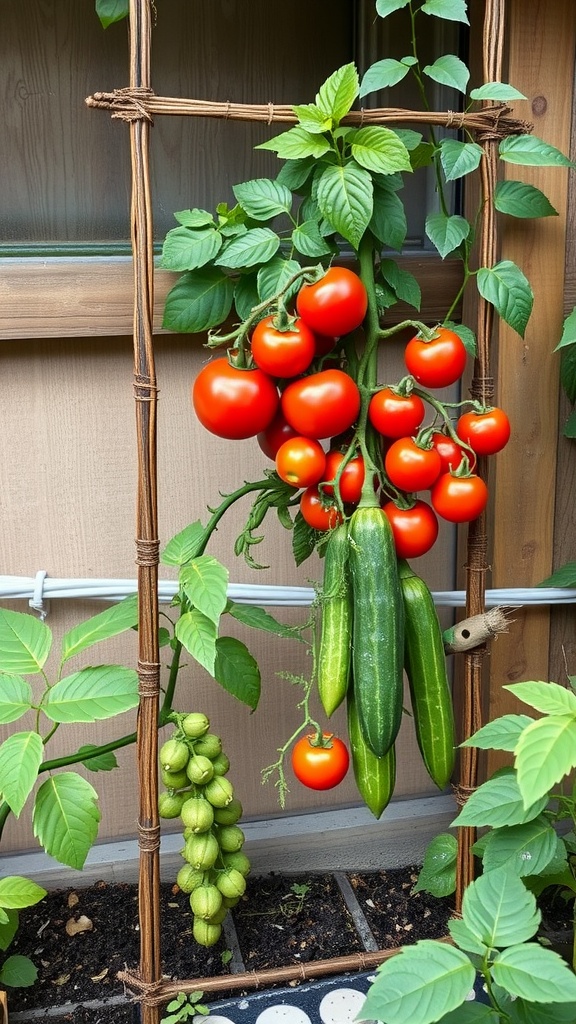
{"x": 185, "y": 1008}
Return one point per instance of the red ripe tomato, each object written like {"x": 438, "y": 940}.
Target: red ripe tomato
{"x": 320, "y": 765}
{"x": 459, "y": 499}
{"x": 451, "y": 454}
{"x": 486, "y": 432}
{"x": 321, "y": 405}
{"x": 351, "y": 478}
{"x": 317, "y": 512}
{"x": 396, "y": 415}
{"x": 300, "y": 461}
{"x": 282, "y": 353}
{"x": 336, "y": 304}
{"x": 436, "y": 363}
{"x": 275, "y": 434}
{"x": 231, "y": 402}
{"x": 410, "y": 467}
{"x": 414, "y": 529}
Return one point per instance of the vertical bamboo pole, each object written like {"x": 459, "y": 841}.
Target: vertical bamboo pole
{"x": 147, "y": 545}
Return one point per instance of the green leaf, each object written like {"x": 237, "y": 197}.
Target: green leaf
{"x": 438, "y": 873}
{"x": 550, "y": 698}
{"x": 501, "y": 734}
{"x": 498, "y": 802}
{"x": 421, "y": 983}
{"x": 449, "y": 10}
{"x": 380, "y": 149}
{"x": 564, "y": 577}
{"x": 568, "y": 331}
{"x": 467, "y": 336}
{"x": 297, "y": 144}
{"x": 312, "y": 119}
{"x": 307, "y": 239}
{"x": 472, "y": 1013}
{"x": 534, "y": 973}
{"x": 17, "y": 892}
{"x": 262, "y": 198}
{"x": 274, "y": 276}
{"x": 529, "y": 150}
{"x": 20, "y": 759}
{"x": 18, "y": 971}
{"x": 205, "y": 583}
{"x": 92, "y": 695}
{"x": 336, "y": 96}
{"x": 256, "y": 246}
{"x": 446, "y": 232}
{"x": 110, "y": 11}
{"x": 95, "y": 761}
{"x": 509, "y": 291}
{"x": 448, "y": 70}
{"x": 569, "y": 429}
{"x": 188, "y": 249}
{"x": 197, "y": 633}
{"x": 295, "y": 173}
{"x": 237, "y": 671}
{"x": 388, "y": 223}
{"x": 386, "y": 7}
{"x": 258, "y": 618}
{"x": 404, "y": 284}
{"x": 200, "y": 299}
{"x": 465, "y": 939}
{"x": 66, "y": 818}
{"x": 194, "y": 218}
{"x": 111, "y": 622}
{"x": 383, "y": 74}
{"x": 303, "y": 539}
{"x": 8, "y": 928}
{"x": 518, "y": 199}
{"x": 499, "y": 91}
{"x": 246, "y": 292}
{"x": 526, "y": 849}
{"x": 25, "y": 642}
{"x": 524, "y": 1012}
{"x": 459, "y": 158}
{"x": 498, "y": 909}
{"x": 345, "y": 200}
{"x": 411, "y": 139}
{"x": 184, "y": 546}
{"x": 546, "y": 752}
{"x": 15, "y": 698}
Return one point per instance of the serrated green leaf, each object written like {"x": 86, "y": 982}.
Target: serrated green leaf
{"x": 111, "y": 622}
{"x": 274, "y": 276}
{"x": 25, "y": 643}
{"x": 422, "y": 156}
{"x": 464, "y": 938}
{"x": 526, "y": 849}
{"x": 110, "y": 11}
{"x": 20, "y": 759}
{"x": 18, "y": 971}
{"x": 199, "y": 300}
{"x": 262, "y": 198}
{"x": 568, "y": 331}
{"x": 466, "y": 335}
{"x": 522, "y": 1011}
{"x": 438, "y": 873}
{"x": 95, "y": 761}
{"x": 307, "y": 239}
{"x": 388, "y": 222}
{"x": 403, "y": 283}
{"x": 498, "y": 909}
{"x": 499, "y": 91}
{"x": 411, "y": 139}
{"x": 205, "y": 583}
{"x": 295, "y": 173}
{"x": 17, "y": 892}
{"x": 386, "y": 7}
{"x": 549, "y": 698}
{"x": 8, "y": 928}
{"x": 15, "y": 697}
{"x": 421, "y": 983}
{"x": 92, "y": 695}
{"x": 297, "y": 144}
{"x": 246, "y": 292}
{"x": 303, "y": 539}
{"x": 518, "y": 199}
{"x": 345, "y": 200}
{"x": 258, "y": 618}
{"x": 448, "y": 70}
{"x": 564, "y": 577}
{"x": 498, "y": 802}
{"x": 380, "y": 149}
{"x": 536, "y": 974}
{"x": 197, "y": 633}
{"x": 66, "y": 817}
{"x": 312, "y": 118}
{"x": 336, "y": 96}
{"x": 545, "y": 753}
{"x": 190, "y": 248}
{"x": 449, "y": 10}
{"x": 194, "y": 218}
{"x": 237, "y": 671}
{"x": 472, "y": 1013}
{"x": 382, "y": 75}
{"x": 446, "y": 232}
{"x": 509, "y": 291}
{"x": 459, "y": 158}
{"x": 501, "y": 734}
{"x": 531, "y": 151}
{"x": 184, "y": 546}
{"x": 258, "y": 245}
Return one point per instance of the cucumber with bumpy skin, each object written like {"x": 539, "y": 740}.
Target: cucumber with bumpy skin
{"x": 375, "y": 776}
{"x": 336, "y": 628}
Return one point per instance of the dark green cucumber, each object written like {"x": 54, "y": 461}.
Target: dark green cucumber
{"x": 425, "y": 664}
{"x": 336, "y": 628}
{"x": 378, "y": 628}
{"x": 375, "y": 776}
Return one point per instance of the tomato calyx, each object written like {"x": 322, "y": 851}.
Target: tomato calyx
{"x": 321, "y": 739}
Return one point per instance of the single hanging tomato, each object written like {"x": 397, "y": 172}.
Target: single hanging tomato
{"x": 486, "y": 432}
{"x": 459, "y": 499}
{"x": 436, "y": 363}
{"x": 282, "y": 353}
{"x": 335, "y": 305}
{"x": 321, "y": 405}
{"x": 320, "y": 765}
{"x": 351, "y": 478}
{"x": 275, "y": 434}
{"x": 317, "y": 511}
{"x": 231, "y": 402}
{"x": 451, "y": 453}
{"x": 396, "y": 415}
{"x": 414, "y": 529}
{"x": 300, "y": 461}
{"x": 410, "y": 467}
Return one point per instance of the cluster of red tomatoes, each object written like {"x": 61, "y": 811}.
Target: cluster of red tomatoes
{"x": 294, "y": 409}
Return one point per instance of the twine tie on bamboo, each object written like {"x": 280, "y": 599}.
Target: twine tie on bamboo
{"x": 147, "y": 551}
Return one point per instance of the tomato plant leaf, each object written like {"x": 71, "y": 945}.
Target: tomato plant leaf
{"x": 92, "y": 694}
{"x": 274, "y": 276}
{"x": 448, "y": 70}
{"x": 501, "y": 734}
{"x": 204, "y": 581}
{"x": 303, "y": 539}
{"x": 449, "y": 10}
{"x": 498, "y": 91}
{"x": 194, "y": 218}
{"x": 237, "y": 671}
{"x": 388, "y": 222}
{"x": 568, "y": 331}
{"x": 564, "y": 577}
{"x": 499, "y": 910}
{"x": 531, "y": 151}
{"x": 262, "y": 198}
{"x": 526, "y": 849}
{"x": 18, "y": 971}
{"x": 258, "y": 245}
{"x": 66, "y": 818}
{"x": 345, "y": 200}
{"x": 197, "y": 633}
{"x": 385, "y": 73}
{"x": 466, "y": 335}
{"x": 190, "y": 248}
{"x": 110, "y": 11}
{"x": 246, "y": 292}
{"x": 336, "y": 96}
{"x": 534, "y": 973}
{"x": 308, "y": 240}
{"x": 518, "y": 199}
{"x": 200, "y": 299}
{"x": 459, "y": 158}
{"x": 258, "y": 618}
{"x": 312, "y": 119}
{"x": 446, "y": 232}
{"x": 438, "y": 872}
{"x": 380, "y": 149}
{"x": 17, "y": 892}
{"x": 184, "y": 546}
{"x": 111, "y": 622}
{"x": 509, "y": 291}
{"x": 386, "y": 7}
{"x": 25, "y": 642}
{"x": 498, "y": 802}
{"x": 552, "y": 740}
{"x": 548, "y": 698}
{"x": 15, "y": 697}
{"x": 404, "y": 284}
{"x": 96, "y": 761}
{"x": 297, "y": 144}
{"x": 20, "y": 759}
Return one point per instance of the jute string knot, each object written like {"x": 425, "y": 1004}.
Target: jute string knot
{"x": 454, "y": 119}
{"x": 148, "y": 838}
{"x": 462, "y": 793}
{"x": 129, "y": 104}
{"x": 145, "y": 389}
{"x": 482, "y": 389}
{"x": 149, "y": 679}
{"x": 147, "y": 551}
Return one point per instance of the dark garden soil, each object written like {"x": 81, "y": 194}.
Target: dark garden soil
{"x": 281, "y": 920}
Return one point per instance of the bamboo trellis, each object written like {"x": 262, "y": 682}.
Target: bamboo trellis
{"x": 137, "y": 105}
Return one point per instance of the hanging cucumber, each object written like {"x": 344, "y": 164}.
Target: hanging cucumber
{"x": 375, "y": 776}
{"x": 336, "y": 629}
